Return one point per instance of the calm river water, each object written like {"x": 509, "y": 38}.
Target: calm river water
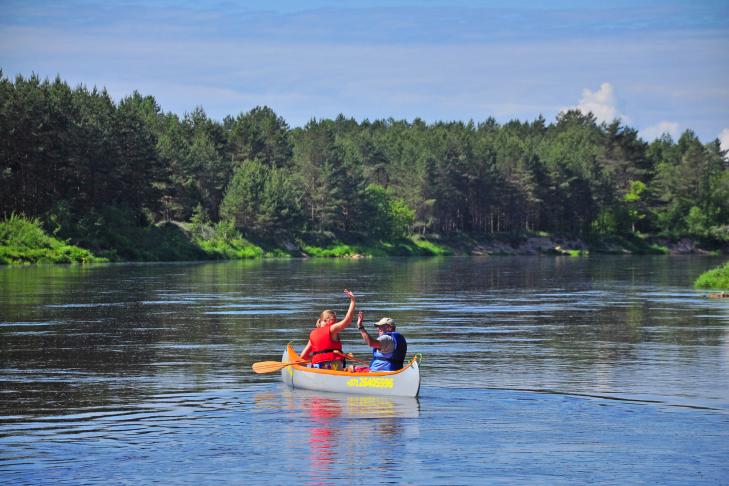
{"x": 536, "y": 370}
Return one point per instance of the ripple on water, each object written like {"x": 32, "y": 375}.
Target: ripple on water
{"x": 536, "y": 371}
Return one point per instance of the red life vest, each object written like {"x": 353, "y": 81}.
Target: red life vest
{"x": 323, "y": 346}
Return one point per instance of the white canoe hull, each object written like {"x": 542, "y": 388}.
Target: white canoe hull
{"x": 401, "y": 383}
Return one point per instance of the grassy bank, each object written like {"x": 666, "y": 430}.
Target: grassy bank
{"x": 717, "y": 278}
{"x": 23, "y": 241}
{"x": 402, "y": 247}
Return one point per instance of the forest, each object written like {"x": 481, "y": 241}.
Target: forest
{"x": 129, "y": 181}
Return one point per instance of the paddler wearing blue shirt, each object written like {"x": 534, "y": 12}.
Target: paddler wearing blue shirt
{"x": 388, "y": 349}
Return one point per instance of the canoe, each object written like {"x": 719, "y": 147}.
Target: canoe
{"x": 400, "y": 383}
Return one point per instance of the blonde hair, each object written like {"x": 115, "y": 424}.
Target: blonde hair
{"x": 325, "y": 316}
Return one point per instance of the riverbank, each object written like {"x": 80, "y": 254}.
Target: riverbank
{"x": 24, "y": 241}
{"x": 564, "y": 245}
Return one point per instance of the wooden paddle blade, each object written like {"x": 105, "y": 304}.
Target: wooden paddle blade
{"x": 273, "y": 366}
{"x": 267, "y": 366}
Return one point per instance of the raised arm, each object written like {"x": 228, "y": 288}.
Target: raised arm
{"x": 373, "y": 343}
{"x": 337, "y": 327}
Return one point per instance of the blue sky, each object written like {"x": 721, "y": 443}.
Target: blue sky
{"x": 660, "y": 66}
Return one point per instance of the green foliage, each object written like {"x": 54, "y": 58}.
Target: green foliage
{"x": 717, "y": 278}
{"x": 121, "y": 234}
{"x": 696, "y": 222}
{"x": 262, "y": 200}
{"x": 633, "y": 194}
{"x": 607, "y": 222}
{"x": 656, "y": 249}
{"x": 621, "y": 244}
{"x": 227, "y": 243}
{"x": 231, "y": 250}
{"x": 691, "y": 186}
{"x": 398, "y": 247}
{"x": 24, "y": 241}
{"x": 431, "y": 249}
{"x": 110, "y": 177}
{"x": 198, "y": 222}
{"x": 635, "y": 205}
{"x": 335, "y": 251}
{"x": 260, "y": 135}
{"x": 385, "y": 216}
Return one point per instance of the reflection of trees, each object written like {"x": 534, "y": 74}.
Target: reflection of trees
{"x": 75, "y": 336}
{"x": 538, "y": 311}
{"x": 41, "y": 284}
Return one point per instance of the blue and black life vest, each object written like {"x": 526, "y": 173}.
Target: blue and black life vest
{"x": 394, "y": 360}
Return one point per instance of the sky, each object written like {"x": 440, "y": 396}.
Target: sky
{"x": 661, "y": 66}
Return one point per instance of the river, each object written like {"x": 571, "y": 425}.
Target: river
{"x": 536, "y": 370}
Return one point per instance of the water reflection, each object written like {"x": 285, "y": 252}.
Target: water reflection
{"x": 322, "y": 407}
{"x": 148, "y": 365}
{"x": 74, "y": 337}
{"x": 333, "y": 439}
{"x": 324, "y": 437}
{"x": 342, "y": 431}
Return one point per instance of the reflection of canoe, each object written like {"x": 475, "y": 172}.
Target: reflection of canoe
{"x": 400, "y": 383}
{"x": 317, "y": 404}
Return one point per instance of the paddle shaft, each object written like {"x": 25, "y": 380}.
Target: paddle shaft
{"x": 273, "y": 366}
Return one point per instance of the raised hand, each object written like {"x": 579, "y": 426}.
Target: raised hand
{"x": 348, "y": 293}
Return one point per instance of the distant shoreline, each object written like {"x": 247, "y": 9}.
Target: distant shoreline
{"x": 25, "y": 243}
{"x": 87, "y": 179}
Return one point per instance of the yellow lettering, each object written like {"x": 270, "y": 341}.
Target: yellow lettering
{"x": 370, "y": 382}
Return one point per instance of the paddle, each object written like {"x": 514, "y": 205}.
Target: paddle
{"x": 273, "y": 366}
{"x": 351, "y": 357}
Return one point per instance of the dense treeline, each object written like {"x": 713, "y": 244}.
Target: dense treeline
{"x": 87, "y": 167}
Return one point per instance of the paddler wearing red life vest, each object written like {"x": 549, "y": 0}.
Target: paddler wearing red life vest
{"x": 324, "y": 346}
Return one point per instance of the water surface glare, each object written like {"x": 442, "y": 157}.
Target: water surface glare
{"x": 535, "y": 370}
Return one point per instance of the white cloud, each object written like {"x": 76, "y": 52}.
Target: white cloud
{"x": 601, "y": 103}
{"x": 724, "y": 139}
{"x": 655, "y": 131}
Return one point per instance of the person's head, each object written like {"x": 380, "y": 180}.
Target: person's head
{"x": 385, "y": 324}
{"x": 326, "y": 317}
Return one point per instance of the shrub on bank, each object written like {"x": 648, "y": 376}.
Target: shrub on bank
{"x": 337, "y": 250}
{"x": 717, "y": 278}
{"x": 224, "y": 242}
{"x": 230, "y": 250}
{"x": 399, "y": 247}
{"x": 430, "y": 248}
{"x": 23, "y": 241}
